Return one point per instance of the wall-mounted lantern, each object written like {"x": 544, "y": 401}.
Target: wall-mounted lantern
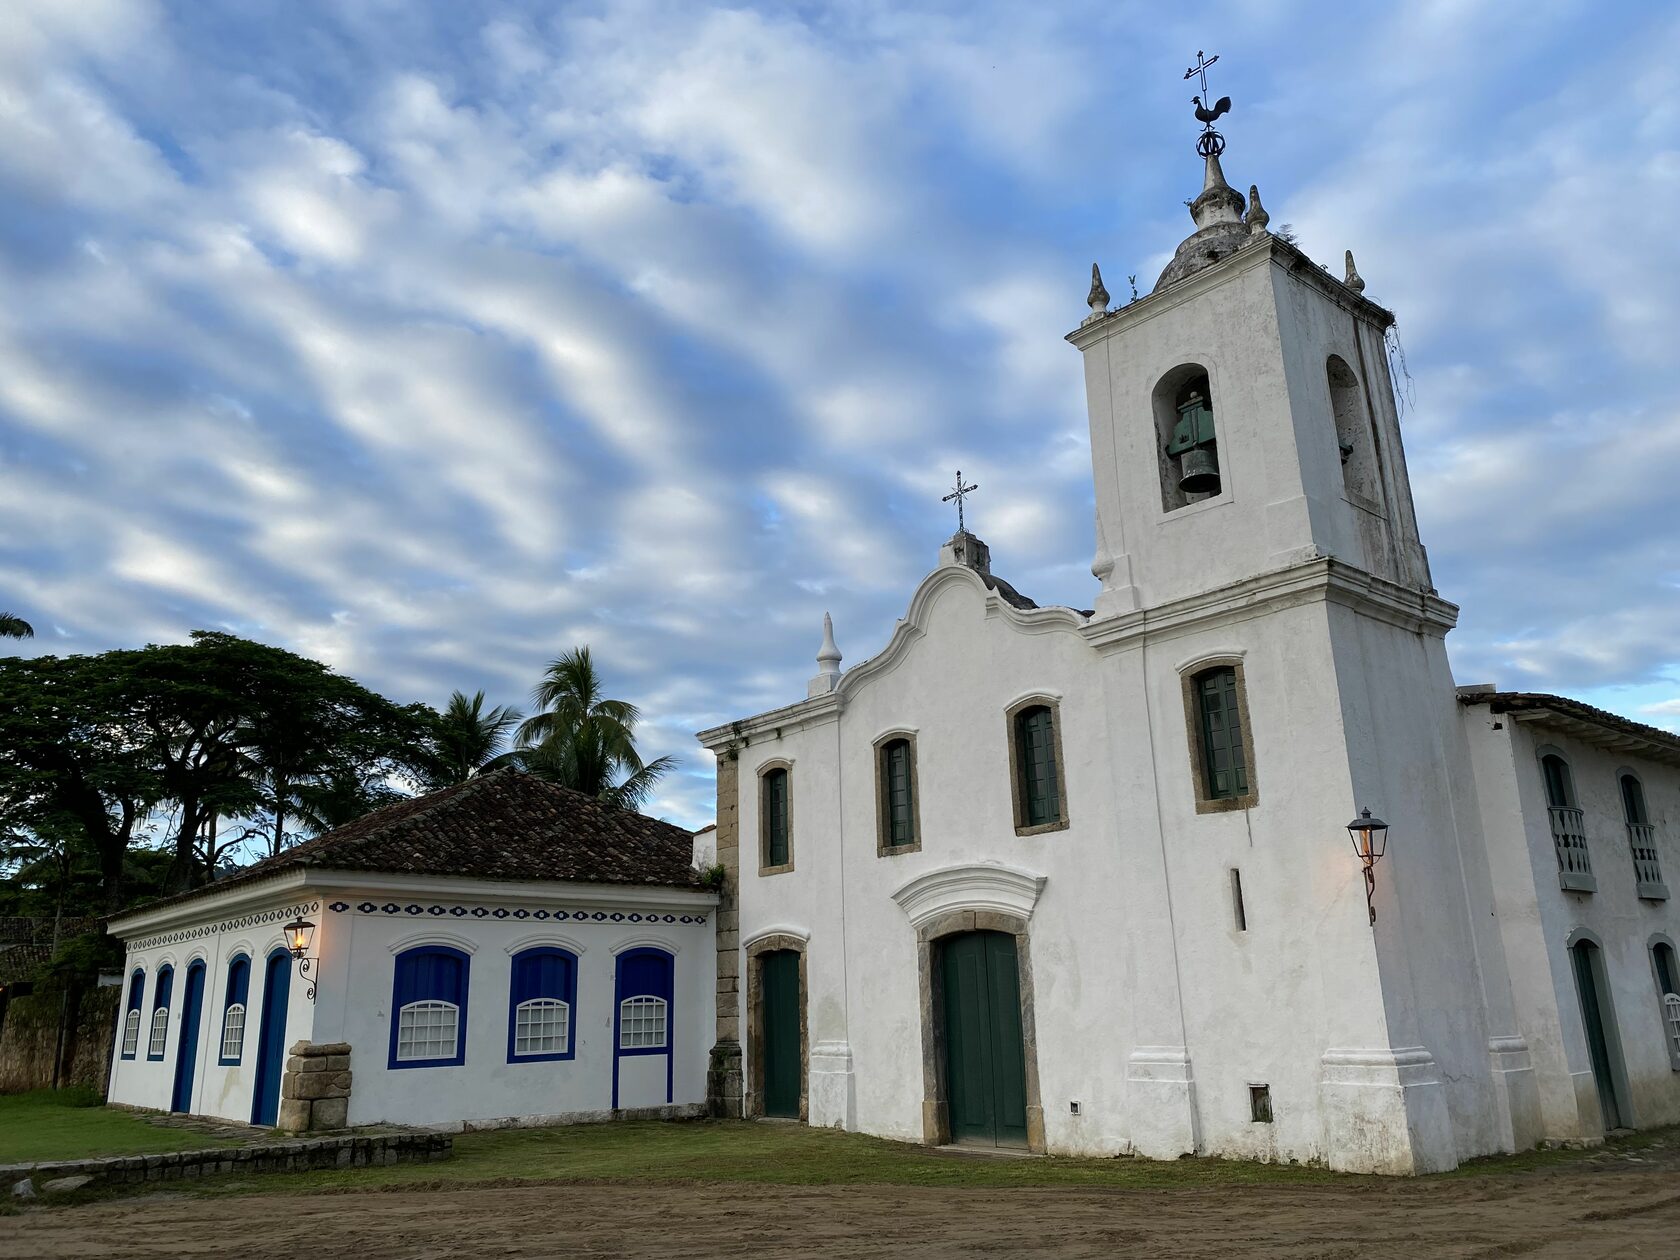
{"x": 299, "y": 933}
{"x": 1370, "y": 838}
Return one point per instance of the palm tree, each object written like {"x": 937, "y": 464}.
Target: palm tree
{"x": 581, "y": 740}
{"x": 15, "y": 627}
{"x": 466, "y": 739}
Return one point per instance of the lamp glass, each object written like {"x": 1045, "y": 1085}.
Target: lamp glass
{"x": 299, "y": 932}
{"x": 1369, "y": 836}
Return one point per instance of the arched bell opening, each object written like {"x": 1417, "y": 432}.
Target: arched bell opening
{"x": 1189, "y": 439}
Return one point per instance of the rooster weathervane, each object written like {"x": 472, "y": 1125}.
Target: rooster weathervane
{"x": 1210, "y": 143}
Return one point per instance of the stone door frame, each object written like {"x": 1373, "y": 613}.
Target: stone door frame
{"x": 936, "y": 1108}
{"x": 770, "y": 943}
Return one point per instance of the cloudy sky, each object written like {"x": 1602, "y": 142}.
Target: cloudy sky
{"x": 433, "y": 339}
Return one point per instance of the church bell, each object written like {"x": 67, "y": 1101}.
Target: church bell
{"x": 1193, "y": 443}
{"x": 1198, "y": 472}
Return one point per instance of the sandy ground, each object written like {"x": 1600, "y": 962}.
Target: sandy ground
{"x": 1626, "y": 1211}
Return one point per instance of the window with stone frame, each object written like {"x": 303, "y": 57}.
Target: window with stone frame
{"x": 1221, "y": 741}
{"x": 775, "y": 808}
{"x": 895, "y": 790}
{"x": 1642, "y": 840}
{"x": 1187, "y": 437}
{"x": 1569, "y": 827}
{"x": 1037, "y": 784}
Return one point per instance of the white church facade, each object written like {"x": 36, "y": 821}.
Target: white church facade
{"x": 503, "y": 950}
{"x": 1079, "y": 881}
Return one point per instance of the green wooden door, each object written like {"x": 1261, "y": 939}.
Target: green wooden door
{"x": 779, "y": 989}
{"x": 985, "y": 1064}
{"x": 1598, "y": 1044}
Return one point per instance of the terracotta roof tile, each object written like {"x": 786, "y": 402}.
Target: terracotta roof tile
{"x": 503, "y": 825}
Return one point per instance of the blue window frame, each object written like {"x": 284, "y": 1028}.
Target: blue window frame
{"x": 542, "y": 1005}
{"x": 235, "y": 1000}
{"x": 131, "y": 1020}
{"x": 642, "y": 1010}
{"x": 429, "y": 1008}
{"x": 158, "y": 1038}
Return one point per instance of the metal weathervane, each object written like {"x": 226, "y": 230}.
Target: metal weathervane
{"x": 1210, "y": 143}
{"x": 957, "y": 495}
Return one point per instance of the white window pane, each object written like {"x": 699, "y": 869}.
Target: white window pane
{"x": 233, "y": 1031}
{"x": 541, "y": 1026}
{"x": 641, "y": 1023}
{"x": 160, "y": 1030}
{"x": 131, "y": 1033}
{"x": 427, "y": 1030}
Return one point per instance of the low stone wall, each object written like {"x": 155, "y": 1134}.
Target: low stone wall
{"x": 300, "y": 1156}
{"x": 30, "y": 1035}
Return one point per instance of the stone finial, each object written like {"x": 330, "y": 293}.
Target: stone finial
{"x": 1097, "y": 299}
{"x": 828, "y": 662}
{"x": 967, "y": 550}
{"x": 1257, "y": 216}
{"x": 1218, "y": 202}
{"x": 1353, "y": 279}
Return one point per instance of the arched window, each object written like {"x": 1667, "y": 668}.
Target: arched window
{"x": 1035, "y": 750}
{"x": 131, "y": 1021}
{"x": 1353, "y": 434}
{"x": 895, "y": 772}
{"x": 429, "y": 1007}
{"x": 1642, "y": 840}
{"x": 540, "y": 1004}
{"x": 1569, "y": 828}
{"x": 160, "y": 1013}
{"x": 1667, "y": 969}
{"x": 1189, "y": 442}
{"x": 775, "y": 820}
{"x": 234, "y": 998}
{"x": 644, "y": 1001}
{"x": 1221, "y": 738}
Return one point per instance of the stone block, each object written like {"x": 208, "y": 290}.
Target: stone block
{"x": 338, "y": 1063}
{"x": 308, "y": 1086}
{"x": 24, "y": 1189}
{"x": 301, "y": 1047}
{"x": 330, "y": 1113}
{"x": 340, "y": 1081}
{"x": 331, "y": 1048}
{"x": 294, "y": 1114}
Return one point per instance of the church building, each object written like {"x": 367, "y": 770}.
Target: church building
{"x": 1081, "y": 881}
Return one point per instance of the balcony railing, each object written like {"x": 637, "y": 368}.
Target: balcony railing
{"x": 1569, "y": 837}
{"x": 1647, "y": 869}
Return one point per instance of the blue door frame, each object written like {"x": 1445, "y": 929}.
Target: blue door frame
{"x": 186, "y": 1048}
{"x": 271, "y": 1040}
{"x": 645, "y": 972}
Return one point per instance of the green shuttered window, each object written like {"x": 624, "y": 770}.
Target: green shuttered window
{"x": 896, "y": 789}
{"x": 1225, "y": 774}
{"x": 776, "y": 825}
{"x": 1035, "y": 752}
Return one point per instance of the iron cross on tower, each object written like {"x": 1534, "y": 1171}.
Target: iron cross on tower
{"x": 1210, "y": 143}
{"x": 958, "y": 495}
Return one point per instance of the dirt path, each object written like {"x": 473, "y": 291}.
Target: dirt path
{"x": 1572, "y": 1214}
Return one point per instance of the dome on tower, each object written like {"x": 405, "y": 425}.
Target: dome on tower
{"x": 1220, "y": 230}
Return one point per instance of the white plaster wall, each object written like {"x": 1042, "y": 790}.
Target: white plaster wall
{"x": 1137, "y": 898}
{"x": 217, "y": 1090}
{"x": 1538, "y": 918}
{"x": 355, "y": 969}
{"x": 486, "y": 1086}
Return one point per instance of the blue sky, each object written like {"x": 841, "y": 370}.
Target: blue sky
{"x": 433, "y": 339}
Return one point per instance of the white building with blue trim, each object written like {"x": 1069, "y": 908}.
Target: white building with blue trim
{"x": 503, "y": 950}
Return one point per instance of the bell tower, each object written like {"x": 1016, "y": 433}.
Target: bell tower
{"x": 1242, "y": 414}
{"x": 1262, "y": 574}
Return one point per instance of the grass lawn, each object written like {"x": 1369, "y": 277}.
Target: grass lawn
{"x": 738, "y": 1151}
{"x": 71, "y": 1124}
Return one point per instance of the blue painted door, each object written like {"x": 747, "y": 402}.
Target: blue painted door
{"x": 271, "y": 1039}
{"x": 186, "y": 1049}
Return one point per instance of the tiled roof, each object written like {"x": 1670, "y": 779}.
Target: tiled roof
{"x": 1597, "y": 726}
{"x": 21, "y": 962}
{"x": 503, "y": 825}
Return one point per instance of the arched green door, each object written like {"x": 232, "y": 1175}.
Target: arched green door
{"x": 779, "y": 992}
{"x": 985, "y": 1062}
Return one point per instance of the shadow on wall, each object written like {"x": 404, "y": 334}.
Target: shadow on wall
{"x": 29, "y": 1037}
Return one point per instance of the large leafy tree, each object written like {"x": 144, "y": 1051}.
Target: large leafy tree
{"x": 583, "y": 740}
{"x": 466, "y": 738}
{"x": 75, "y": 760}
